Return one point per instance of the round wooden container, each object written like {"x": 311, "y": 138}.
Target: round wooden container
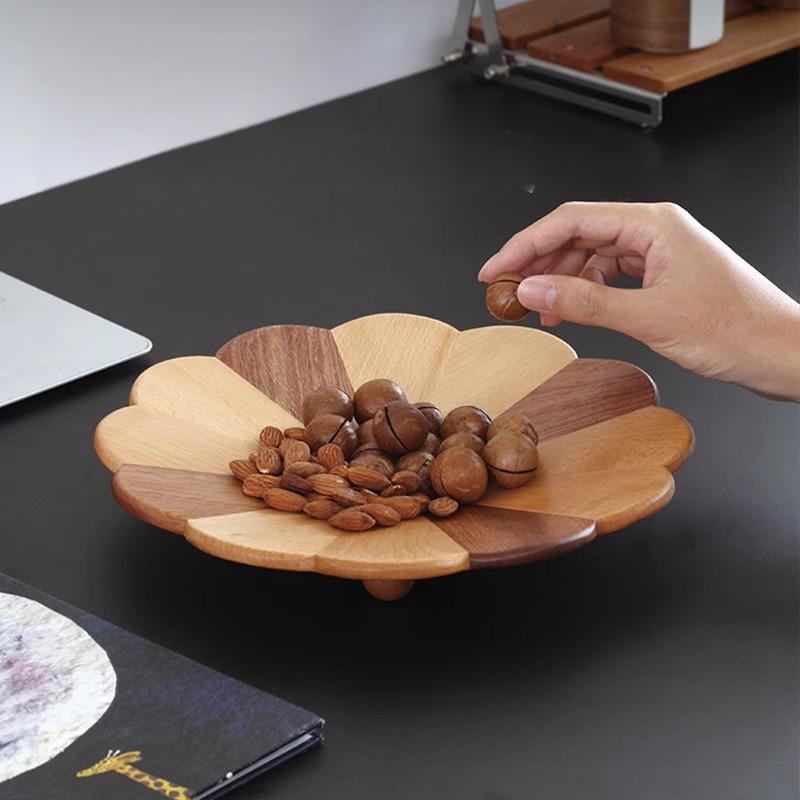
{"x": 667, "y": 26}
{"x": 607, "y": 450}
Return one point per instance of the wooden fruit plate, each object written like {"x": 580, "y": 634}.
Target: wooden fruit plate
{"x": 607, "y": 451}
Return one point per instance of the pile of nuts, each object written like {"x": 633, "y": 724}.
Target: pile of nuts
{"x": 376, "y": 459}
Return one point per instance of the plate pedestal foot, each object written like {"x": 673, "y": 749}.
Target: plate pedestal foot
{"x": 388, "y": 590}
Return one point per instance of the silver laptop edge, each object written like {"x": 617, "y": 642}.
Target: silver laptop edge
{"x": 46, "y": 341}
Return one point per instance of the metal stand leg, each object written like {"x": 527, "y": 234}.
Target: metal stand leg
{"x": 462, "y": 48}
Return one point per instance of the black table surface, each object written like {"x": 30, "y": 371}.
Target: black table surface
{"x": 658, "y": 662}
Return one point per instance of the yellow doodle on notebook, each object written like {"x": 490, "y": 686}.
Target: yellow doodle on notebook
{"x": 119, "y": 762}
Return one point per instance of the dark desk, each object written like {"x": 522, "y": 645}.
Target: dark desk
{"x": 659, "y": 662}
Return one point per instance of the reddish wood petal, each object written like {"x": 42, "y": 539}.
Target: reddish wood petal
{"x": 499, "y": 537}
{"x": 287, "y": 362}
{"x": 168, "y": 497}
{"x": 586, "y": 392}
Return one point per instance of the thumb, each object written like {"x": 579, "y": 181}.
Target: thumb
{"x": 580, "y": 300}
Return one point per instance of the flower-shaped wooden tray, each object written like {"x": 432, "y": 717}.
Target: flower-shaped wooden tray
{"x": 607, "y": 451}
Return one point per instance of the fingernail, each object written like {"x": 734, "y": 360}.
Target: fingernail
{"x": 484, "y": 268}
{"x": 537, "y": 293}
{"x": 596, "y": 276}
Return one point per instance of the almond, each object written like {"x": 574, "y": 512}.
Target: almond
{"x": 352, "y": 520}
{"x": 256, "y": 485}
{"x": 241, "y": 468}
{"x": 271, "y": 436}
{"x": 295, "y": 433}
{"x": 423, "y": 499}
{"x": 384, "y": 515}
{"x": 409, "y": 480}
{"x": 392, "y": 490}
{"x": 330, "y": 455}
{"x": 322, "y": 508}
{"x": 341, "y": 470}
{"x": 295, "y": 450}
{"x": 305, "y": 469}
{"x": 284, "y": 500}
{"x": 348, "y": 497}
{"x": 327, "y": 484}
{"x": 268, "y": 461}
{"x": 443, "y": 506}
{"x": 406, "y": 507}
{"x": 367, "y": 478}
{"x": 294, "y": 483}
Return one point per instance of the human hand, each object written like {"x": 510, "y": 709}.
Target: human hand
{"x": 700, "y": 305}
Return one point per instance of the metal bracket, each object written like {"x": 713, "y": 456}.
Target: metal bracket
{"x": 462, "y": 49}
{"x": 588, "y": 89}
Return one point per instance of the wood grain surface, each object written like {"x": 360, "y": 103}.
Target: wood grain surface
{"x": 287, "y": 362}
{"x": 499, "y": 537}
{"x": 612, "y": 498}
{"x": 139, "y": 435}
{"x": 404, "y": 347}
{"x": 520, "y": 23}
{"x": 663, "y": 26}
{"x": 414, "y": 549}
{"x": 747, "y": 39}
{"x": 651, "y": 436}
{"x": 265, "y": 538}
{"x": 494, "y": 366}
{"x": 202, "y": 390}
{"x": 586, "y": 392}
{"x": 584, "y": 47}
{"x": 168, "y": 497}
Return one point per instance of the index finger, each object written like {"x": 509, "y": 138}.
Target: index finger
{"x": 623, "y": 227}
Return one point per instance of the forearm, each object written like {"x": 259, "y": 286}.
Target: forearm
{"x": 774, "y": 362}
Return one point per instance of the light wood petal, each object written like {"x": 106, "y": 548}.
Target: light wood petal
{"x": 414, "y": 549}
{"x": 651, "y": 436}
{"x": 403, "y": 347}
{"x": 139, "y": 435}
{"x": 495, "y": 366}
{"x": 168, "y": 497}
{"x": 585, "y": 392}
{"x": 265, "y": 538}
{"x": 287, "y": 362}
{"x": 612, "y": 499}
{"x": 499, "y": 537}
{"x": 205, "y": 392}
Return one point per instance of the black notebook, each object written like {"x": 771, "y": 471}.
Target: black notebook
{"x": 88, "y": 710}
